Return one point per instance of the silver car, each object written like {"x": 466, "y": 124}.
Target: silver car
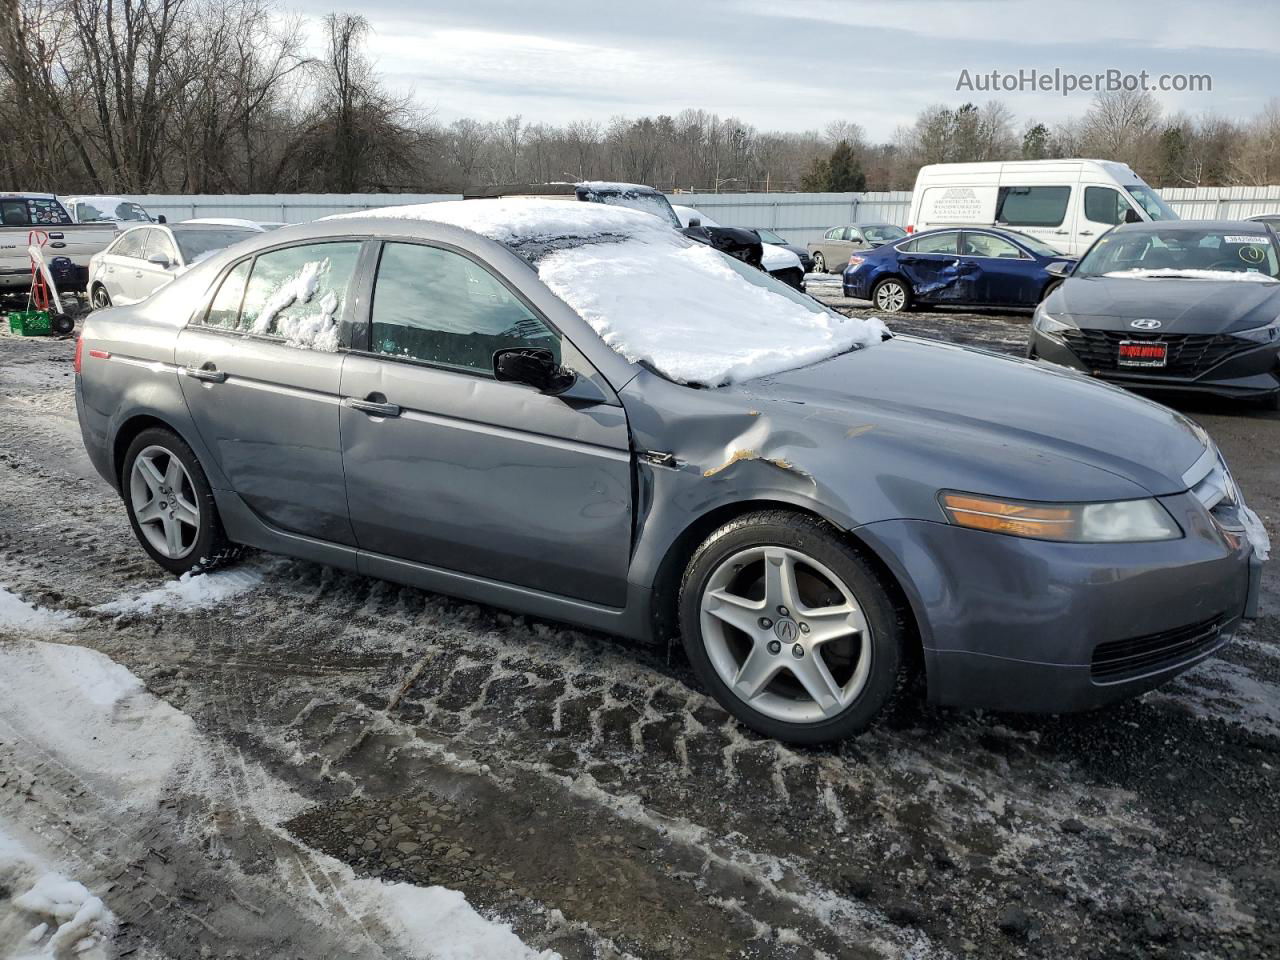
{"x": 566, "y": 410}
{"x": 143, "y": 259}
{"x": 831, "y": 253}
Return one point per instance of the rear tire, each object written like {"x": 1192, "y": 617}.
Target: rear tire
{"x": 99, "y": 299}
{"x": 891, "y": 295}
{"x": 791, "y": 629}
{"x": 171, "y": 506}
{"x": 819, "y": 263}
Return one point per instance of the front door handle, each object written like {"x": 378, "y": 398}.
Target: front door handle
{"x": 374, "y": 407}
{"x": 208, "y": 373}
{"x": 1086, "y": 233}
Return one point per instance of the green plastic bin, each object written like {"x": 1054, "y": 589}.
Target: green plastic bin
{"x": 29, "y": 323}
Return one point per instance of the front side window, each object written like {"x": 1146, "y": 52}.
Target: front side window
{"x": 88, "y": 213}
{"x": 834, "y": 233}
{"x": 1104, "y": 205}
{"x": 986, "y": 245}
{"x": 946, "y": 243}
{"x": 1033, "y": 206}
{"x": 442, "y": 308}
{"x": 1151, "y": 202}
{"x": 883, "y": 233}
{"x": 14, "y": 213}
{"x": 297, "y": 293}
{"x": 852, "y": 234}
{"x": 159, "y": 245}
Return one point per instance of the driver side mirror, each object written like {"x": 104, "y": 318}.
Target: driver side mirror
{"x": 1132, "y": 216}
{"x": 534, "y": 367}
{"x": 1060, "y": 268}
{"x": 162, "y": 219}
{"x": 160, "y": 260}
{"x": 695, "y": 221}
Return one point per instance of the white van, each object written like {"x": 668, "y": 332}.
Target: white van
{"x": 1065, "y": 203}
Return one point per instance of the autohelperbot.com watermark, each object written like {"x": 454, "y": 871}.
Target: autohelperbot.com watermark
{"x": 1065, "y": 82}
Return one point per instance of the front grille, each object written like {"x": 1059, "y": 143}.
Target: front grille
{"x": 1190, "y": 354}
{"x": 1125, "y": 659}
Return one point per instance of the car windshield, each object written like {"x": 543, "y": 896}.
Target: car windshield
{"x": 1151, "y": 202}
{"x": 882, "y": 232}
{"x": 1034, "y": 245}
{"x": 198, "y": 244}
{"x": 1233, "y": 253}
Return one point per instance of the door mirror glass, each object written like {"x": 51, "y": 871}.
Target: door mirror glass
{"x": 534, "y": 367}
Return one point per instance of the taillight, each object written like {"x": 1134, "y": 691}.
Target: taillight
{"x": 79, "y": 352}
{"x": 911, "y": 228}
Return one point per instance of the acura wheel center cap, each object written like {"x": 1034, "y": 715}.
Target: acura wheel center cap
{"x": 786, "y": 630}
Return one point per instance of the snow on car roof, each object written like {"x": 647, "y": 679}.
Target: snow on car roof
{"x": 655, "y": 296}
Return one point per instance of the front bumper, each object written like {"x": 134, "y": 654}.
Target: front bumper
{"x": 1251, "y": 372}
{"x": 1033, "y": 626}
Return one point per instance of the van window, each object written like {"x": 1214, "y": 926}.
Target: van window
{"x": 1151, "y": 202}
{"x": 1104, "y": 205}
{"x": 1032, "y": 206}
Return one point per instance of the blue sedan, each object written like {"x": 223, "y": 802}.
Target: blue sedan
{"x": 968, "y": 266}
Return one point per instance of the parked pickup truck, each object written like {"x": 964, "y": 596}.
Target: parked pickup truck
{"x": 67, "y": 251}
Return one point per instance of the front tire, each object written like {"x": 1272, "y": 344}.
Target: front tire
{"x": 791, "y": 630}
{"x": 170, "y": 504}
{"x": 891, "y": 295}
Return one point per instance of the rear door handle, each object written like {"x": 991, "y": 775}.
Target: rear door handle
{"x": 1086, "y": 233}
{"x": 208, "y": 373}
{"x": 375, "y": 408}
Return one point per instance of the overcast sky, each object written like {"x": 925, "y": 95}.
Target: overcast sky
{"x": 799, "y": 64}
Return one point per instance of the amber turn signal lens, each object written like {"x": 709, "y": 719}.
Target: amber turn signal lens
{"x": 1006, "y": 516}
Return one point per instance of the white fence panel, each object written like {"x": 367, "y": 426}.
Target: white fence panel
{"x": 800, "y": 217}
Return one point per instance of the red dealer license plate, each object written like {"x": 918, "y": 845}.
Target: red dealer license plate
{"x": 1143, "y": 353}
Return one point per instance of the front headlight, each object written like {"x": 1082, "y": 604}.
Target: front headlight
{"x": 1268, "y": 334}
{"x": 1120, "y": 521}
{"x": 1050, "y": 324}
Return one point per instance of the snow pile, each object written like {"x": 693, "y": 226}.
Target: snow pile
{"x": 189, "y": 592}
{"x": 438, "y": 923}
{"x": 1177, "y": 274}
{"x": 56, "y": 917}
{"x": 654, "y": 295}
{"x": 18, "y": 615}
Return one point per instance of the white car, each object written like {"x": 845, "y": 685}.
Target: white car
{"x": 144, "y": 259}
{"x": 776, "y": 261}
{"x": 262, "y": 225}
{"x": 118, "y": 211}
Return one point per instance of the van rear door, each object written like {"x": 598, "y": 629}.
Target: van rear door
{"x": 1045, "y": 212}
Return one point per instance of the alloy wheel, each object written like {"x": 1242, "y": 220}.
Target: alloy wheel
{"x": 891, "y": 296}
{"x": 164, "y": 502}
{"x": 785, "y": 634}
{"x": 101, "y": 299}
{"x": 819, "y": 263}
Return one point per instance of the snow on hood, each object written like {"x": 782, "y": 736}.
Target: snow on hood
{"x": 1178, "y": 274}
{"x": 774, "y": 257}
{"x": 655, "y": 296}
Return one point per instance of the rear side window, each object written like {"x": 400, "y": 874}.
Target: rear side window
{"x": 443, "y": 308}
{"x": 1104, "y": 205}
{"x": 297, "y": 293}
{"x": 47, "y": 213}
{"x": 936, "y": 243}
{"x": 130, "y": 244}
{"x": 225, "y": 309}
{"x": 1033, "y": 206}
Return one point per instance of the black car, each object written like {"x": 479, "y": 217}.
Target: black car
{"x": 1192, "y": 305}
{"x": 799, "y": 249}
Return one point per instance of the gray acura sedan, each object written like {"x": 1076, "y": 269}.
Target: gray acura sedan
{"x": 572, "y": 411}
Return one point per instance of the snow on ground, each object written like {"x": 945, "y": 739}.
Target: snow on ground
{"x": 189, "y": 592}
{"x": 656, "y": 296}
{"x": 17, "y": 614}
{"x": 45, "y": 915}
{"x": 136, "y": 750}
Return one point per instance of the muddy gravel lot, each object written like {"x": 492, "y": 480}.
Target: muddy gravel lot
{"x": 334, "y": 730}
